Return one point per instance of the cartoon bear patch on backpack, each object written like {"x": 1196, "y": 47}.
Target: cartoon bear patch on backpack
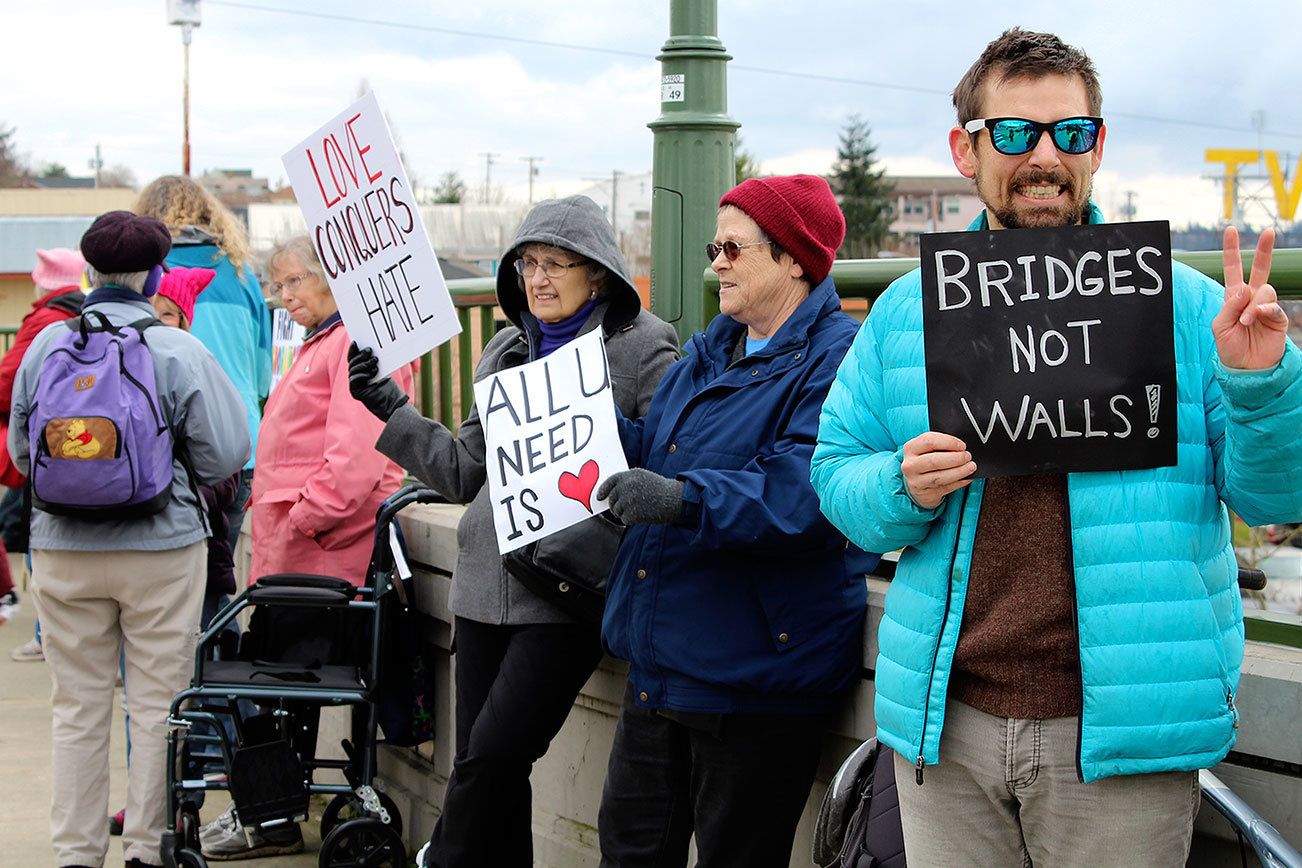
{"x": 101, "y": 448}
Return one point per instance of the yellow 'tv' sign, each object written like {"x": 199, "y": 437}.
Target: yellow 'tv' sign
{"x": 1286, "y": 198}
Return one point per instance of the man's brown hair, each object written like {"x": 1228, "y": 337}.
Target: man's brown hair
{"x": 1019, "y": 53}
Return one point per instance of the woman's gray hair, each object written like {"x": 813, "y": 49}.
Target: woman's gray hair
{"x": 133, "y": 280}
{"x": 301, "y": 248}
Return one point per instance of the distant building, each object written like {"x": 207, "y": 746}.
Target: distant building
{"x": 34, "y": 217}
{"x": 474, "y": 235}
{"x": 234, "y": 183}
{"x": 236, "y": 189}
{"x": 65, "y": 182}
{"x": 931, "y": 204}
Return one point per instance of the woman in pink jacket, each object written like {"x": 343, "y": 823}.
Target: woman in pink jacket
{"x": 317, "y": 483}
{"x": 318, "y": 479}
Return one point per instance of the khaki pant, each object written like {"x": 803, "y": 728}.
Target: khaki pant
{"x": 91, "y": 604}
{"x": 1005, "y": 793}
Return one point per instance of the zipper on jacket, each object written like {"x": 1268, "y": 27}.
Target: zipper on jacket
{"x": 921, "y": 764}
{"x": 1075, "y": 628}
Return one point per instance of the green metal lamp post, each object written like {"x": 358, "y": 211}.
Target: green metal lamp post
{"x": 694, "y": 163}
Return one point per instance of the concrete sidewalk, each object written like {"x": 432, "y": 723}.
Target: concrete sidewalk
{"x": 25, "y": 761}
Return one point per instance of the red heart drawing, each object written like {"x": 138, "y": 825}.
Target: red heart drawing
{"x": 580, "y": 487}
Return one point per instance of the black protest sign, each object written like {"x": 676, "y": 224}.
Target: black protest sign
{"x": 1052, "y": 350}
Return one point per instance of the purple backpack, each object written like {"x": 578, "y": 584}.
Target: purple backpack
{"x": 100, "y": 448}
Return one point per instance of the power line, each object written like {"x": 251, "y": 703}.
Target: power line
{"x": 594, "y": 49}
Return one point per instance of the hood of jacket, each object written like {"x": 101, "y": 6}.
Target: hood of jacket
{"x": 577, "y": 224}
{"x": 190, "y": 236}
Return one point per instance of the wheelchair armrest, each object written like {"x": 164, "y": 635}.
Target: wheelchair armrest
{"x": 303, "y": 580}
{"x": 301, "y": 596}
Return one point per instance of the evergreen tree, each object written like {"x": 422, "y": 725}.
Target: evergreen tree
{"x": 451, "y": 189}
{"x": 747, "y": 163}
{"x": 863, "y": 191}
{"x": 13, "y": 170}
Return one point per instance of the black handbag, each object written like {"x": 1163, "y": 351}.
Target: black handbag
{"x": 569, "y": 568}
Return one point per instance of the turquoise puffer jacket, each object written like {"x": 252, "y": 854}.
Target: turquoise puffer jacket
{"x": 1160, "y": 623}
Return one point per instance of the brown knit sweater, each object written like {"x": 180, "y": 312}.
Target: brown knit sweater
{"x": 1017, "y": 652}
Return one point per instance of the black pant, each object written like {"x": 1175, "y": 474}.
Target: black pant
{"x": 739, "y": 784}
{"x": 515, "y": 687}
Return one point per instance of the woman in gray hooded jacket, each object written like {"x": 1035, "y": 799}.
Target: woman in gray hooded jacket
{"x": 520, "y": 661}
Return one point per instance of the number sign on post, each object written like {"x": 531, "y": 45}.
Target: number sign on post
{"x": 363, "y": 219}
{"x": 1052, "y": 350}
{"x": 551, "y": 438}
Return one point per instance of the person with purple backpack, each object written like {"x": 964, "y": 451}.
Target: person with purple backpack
{"x": 117, "y": 421}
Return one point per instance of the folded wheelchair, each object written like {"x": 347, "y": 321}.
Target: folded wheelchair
{"x": 312, "y": 642}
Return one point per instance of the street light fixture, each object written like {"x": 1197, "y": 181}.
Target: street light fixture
{"x": 185, "y": 13}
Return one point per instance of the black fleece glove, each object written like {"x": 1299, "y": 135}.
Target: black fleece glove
{"x": 382, "y": 397}
{"x": 639, "y": 496}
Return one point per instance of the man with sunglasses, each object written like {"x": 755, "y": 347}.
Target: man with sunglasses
{"x": 1060, "y": 652}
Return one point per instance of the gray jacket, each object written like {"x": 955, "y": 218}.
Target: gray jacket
{"x": 640, "y": 348}
{"x": 199, "y": 402}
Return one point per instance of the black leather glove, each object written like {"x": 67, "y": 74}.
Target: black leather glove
{"x": 382, "y": 397}
{"x": 639, "y": 496}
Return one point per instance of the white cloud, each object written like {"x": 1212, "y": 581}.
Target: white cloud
{"x": 261, "y": 81}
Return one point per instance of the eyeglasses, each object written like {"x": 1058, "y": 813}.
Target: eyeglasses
{"x": 291, "y": 283}
{"x": 1015, "y": 136}
{"x": 730, "y": 249}
{"x": 551, "y": 268}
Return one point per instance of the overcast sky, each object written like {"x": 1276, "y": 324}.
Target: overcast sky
{"x": 1178, "y": 78}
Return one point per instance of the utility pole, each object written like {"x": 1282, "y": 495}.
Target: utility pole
{"x": 533, "y": 172}
{"x": 695, "y": 163}
{"x": 186, "y": 14}
{"x": 97, "y": 164}
{"x": 1128, "y": 210}
{"x": 488, "y": 172}
{"x": 614, "y": 202}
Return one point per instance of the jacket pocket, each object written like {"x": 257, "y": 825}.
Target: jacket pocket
{"x": 784, "y": 611}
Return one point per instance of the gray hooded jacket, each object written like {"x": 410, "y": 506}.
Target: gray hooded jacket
{"x": 639, "y": 347}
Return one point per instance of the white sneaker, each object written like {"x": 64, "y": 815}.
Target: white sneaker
{"x": 8, "y": 606}
{"x": 236, "y": 844}
{"x": 28, "y": 652}
{"x": 420, "y": 855}
{"x": 219, "y": 827}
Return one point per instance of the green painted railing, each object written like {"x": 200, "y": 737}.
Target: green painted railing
{"x": 868, "y": 278}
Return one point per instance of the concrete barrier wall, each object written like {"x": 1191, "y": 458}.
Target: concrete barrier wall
{"x": 567, "y": 782}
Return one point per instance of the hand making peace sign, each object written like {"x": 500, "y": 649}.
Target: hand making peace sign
{"x": 1251, "y": 328}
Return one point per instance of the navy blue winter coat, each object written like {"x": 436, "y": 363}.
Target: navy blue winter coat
{"x": 753, "y": 602}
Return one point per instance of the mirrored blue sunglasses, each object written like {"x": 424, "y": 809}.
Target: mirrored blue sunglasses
{"x": 1015, "y": 136}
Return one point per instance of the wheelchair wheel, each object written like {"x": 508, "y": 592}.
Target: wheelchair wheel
{"x": 344, "y": 807}
{"x": 187, "y": 827}
{"x": 188, "y": 858}
{"x": 363, "y": 841}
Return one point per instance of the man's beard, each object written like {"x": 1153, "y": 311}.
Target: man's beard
{"x": 1075, "y": 212}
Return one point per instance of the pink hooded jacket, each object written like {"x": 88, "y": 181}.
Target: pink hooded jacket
{"x": 318, "y": 478}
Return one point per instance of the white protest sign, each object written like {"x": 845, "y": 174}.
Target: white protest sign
{"x": 551, "y": 439}
{"x": 287, "y": 339}
{"x": 363, "y": 218}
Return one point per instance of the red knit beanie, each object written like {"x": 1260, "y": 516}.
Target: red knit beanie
{"x": 800, "y": 213}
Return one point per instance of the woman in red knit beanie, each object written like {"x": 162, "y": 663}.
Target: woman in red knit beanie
{"x": 738, "y": 606}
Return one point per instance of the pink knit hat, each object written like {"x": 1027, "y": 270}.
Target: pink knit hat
{"x": 58, "y": 267}
{"x": 799, "y": 212}
{"x": 183, "y": 285}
